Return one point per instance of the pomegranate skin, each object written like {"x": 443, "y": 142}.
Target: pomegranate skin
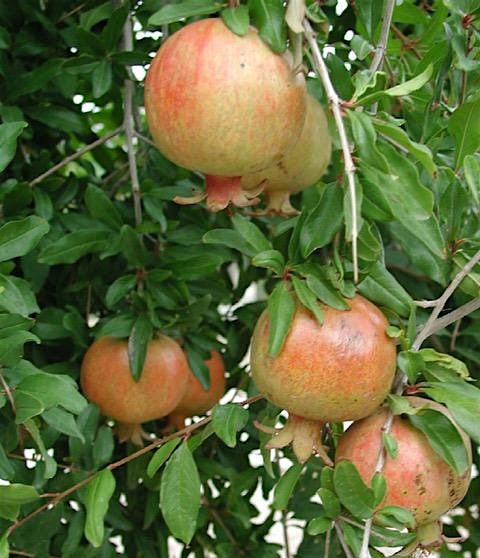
{"x": 417, "y": 479}
{"x": 222, "y": 104}
{"x": 341, "y": 370}
{"x": 197, "y": 400}
{"x": 106, "y": 380}
{"x": 301, "y": 166}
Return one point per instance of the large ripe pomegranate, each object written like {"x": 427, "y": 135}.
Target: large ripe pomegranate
{"x": 300, "y": 167}
{"x": 341, "y": 370}
{"x": 223, "y": 105}
{"x": 417, "y": 479}
{"x": 106, "y": 380}
{"x": 197, "y": 400}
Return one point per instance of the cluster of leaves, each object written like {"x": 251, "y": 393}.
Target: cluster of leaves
{"x": 75, "y": 264}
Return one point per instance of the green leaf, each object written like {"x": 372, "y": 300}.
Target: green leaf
{"x": 251, "y": 233}
{"x": 7, "y": 471}
{"x": 71, "y": 247}
{"x": 161, "y": 455}
{"x": 236, "y": 19}
{"x": 232, "y": 239}
{"x": 381, "y": 287}
{"x": 412, "y": 363}
{"x": 174, "y": 12}
{"x": 440, "y": 362}
{"x": 140, "y": 336}
{"x": 197, "y": 365}
{"x": 323, "y": 221}
{"x": 11, "y": 348}
{"x": 119, "y": 289}
{"x": 101, "y": 207}
{"x": 443, "y": 436}
{"x": 18, "y": 494}
{"x": 103, "y": 446}
{"x": 462, "y": 400}
{"x": 411, "y": 85}
{"x": 9, "y": 133}
{"x": 101, "y": 78}
{"x": 326, "y": 478}
{"x": 16, "y": 296}
{"x": 17, "y": 238}
{"x": 286, "y": 485}
{"x": 361, "y": 47}
{"x": 4, "y": 546}
{"x": 464, "y": 125}
{"x": 379, "y": 487}
{"x": 330, "y": 503}
{"x": 99, "y": 492}
{"x": 318, "y": 526}
{"x": 471, "y": 165}
{"x": 270, "y": 259}
{"x": 324, "y": 292}
{"x": 390, "y": 445}
{"x": 269, "y": 20}
{"x": 227, "y": 420}
{"x": 401, "y": 515}
{"x": 352, "y": 491}
{"x": 308, "y": 298}
{"x": 281, "y": 309}
{"x": 180, "y": 494}
{"x": 400, "y": 405}
{"x": 63, "y": 422}
{"x": 370, "y": 12}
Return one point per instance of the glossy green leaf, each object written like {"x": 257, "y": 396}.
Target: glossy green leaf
{"x": 281, "y": 309}
{"x": 16, "y": 296}
{"x": 11, "y": 348}
{"x": 379, "y": 487}
{"x": 103, "y": 446}
{"x": 308, "y": 298}
{"x": 370, "y": 12}
{"x": 353, "y": 493}
{"x": 17, "y": 238}
{"x": 138, "y": 341}
{"x": 324, "y": 292}
{"x": 400, "y": 515}
{"x": 227, "y": 421}
{"x": 119, "y": 289}
{"x": 102, "y": 78}
{"x": 318, "y": 525}
{"x": 71, "y": 247}
{"x": 161, "y": 456}
{"x": 330, "y": 503}
{"x": 101, "y": 207}
{"x": 412, "y": 363}
{"x": 180, "y": 494}
{"x": 230, "y": 238}
{"x": 251, "y": 233}
{"x": 464, "y": 125}
{"x": 268, "y": 17}
{"x": 390, "y": 444}
{"x": 270, "y": 259}
{"x": 63, "y": 422}
{"x": 236, "y": 19}
{"x": 9, "y": 133}
{"x": 16, "y": 493}
{"x": 286, "y": 485}
{"x": 444, "y": 438}
{"x": 174, "y": 12}
{"x": 411, "y": 85}
{"x": 99, "y": 492}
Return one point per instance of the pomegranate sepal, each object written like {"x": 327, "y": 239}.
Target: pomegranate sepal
{"x": 133, "y": 433}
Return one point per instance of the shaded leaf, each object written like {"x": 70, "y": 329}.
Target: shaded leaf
{"x": 281, "y": 309}
{"x": 99, "y": 492}
{"x": 227, "y": 420}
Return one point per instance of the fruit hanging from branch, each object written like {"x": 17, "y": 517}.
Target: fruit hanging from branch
{"x": 106, "y": 380}
{"x": 223, "y": 105}
{"x": 197, "y": 400}
{"x": 417, "y": 479}
{"x": 341, "y": 370}
{"x": 300, "y": 167}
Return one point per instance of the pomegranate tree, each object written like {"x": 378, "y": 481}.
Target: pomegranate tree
{"x": 300, "y": 167}
{"x": 341, "y": 370}
{"x": 223, "y": 105}
{"x": 106, "y": 380}
{"x": 197, "y": 400}
{"x": 418, "y": 479}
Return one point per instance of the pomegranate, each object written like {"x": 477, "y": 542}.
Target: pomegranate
{"x": 106, "y": 380}
{"x": 300, "y": 167}
{"x": 417, "y": 478}
{"x": 223, "y": 105}
{"x": 197, "y": 400}
{"x": 341, "y": 370}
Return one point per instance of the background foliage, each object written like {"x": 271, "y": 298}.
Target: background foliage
{"x": 75, "y": 264}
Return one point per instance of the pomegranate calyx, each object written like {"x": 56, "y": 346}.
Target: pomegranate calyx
{"x": 133, "y": 433}
{"x": 223, "y": 190}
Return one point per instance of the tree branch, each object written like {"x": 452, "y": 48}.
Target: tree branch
{"x": 129, "y": 125}
{"x": 112, "y": 466}
{"x": 336, "y": 106}
{"x": 381, "y": 47}
{"x": 8, "y": 392}
{"x": 343, "y": 542}
{"x": 76, "y": 155}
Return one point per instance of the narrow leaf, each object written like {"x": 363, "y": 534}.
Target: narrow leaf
{"x": 285, "y": 486}
{"x": 175, "y": 12}
{"x": 140, "y": 336}
{"x": 99, "y": 492}
{"x": 17, "y": 238}
{"x": 307, "y": 298}
{"x": 161, "y": 455}
{"x": 281, "y": 309}
{"x": 236, "y": 19}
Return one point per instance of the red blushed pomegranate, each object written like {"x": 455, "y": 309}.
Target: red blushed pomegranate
{"x": 106, "y": 380}
{"x": 223, "y": 105}
{"x": 301, "y": 166}
{"x": 197, "y": 400}
{"x": 417, "y": 478}
{"x": 341, "y": 370}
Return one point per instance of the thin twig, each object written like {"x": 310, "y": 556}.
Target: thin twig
{"x": 455, "y": 332}
{"x": 381, "y": 47}
{"x": 284, "y": 514}
{"x": 145, "y": 139}
{"x": 336, "y": 106}
{"x": 429, "y": 327}
{"x": 129, "y": 125}
{"x": 343, "y": 542}
{"x": 328, "y": 538}
{"x": 425, "y": 303}
{"x": 112, "y": 466}
{"x": 455, "y": 315}
{"x": 76, "y": 155}
{"x": 8, "y": 392}
{"x": 406, "y": 42}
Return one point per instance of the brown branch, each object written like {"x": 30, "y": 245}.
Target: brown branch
{"x": 8, "y": 392}
{"x": 343, "y": 542}
{"x": 112, "y": 466}
{"x": 76, "y": 155}
{"x": 406, "y": 42}
{"x": 336, "y": 106}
